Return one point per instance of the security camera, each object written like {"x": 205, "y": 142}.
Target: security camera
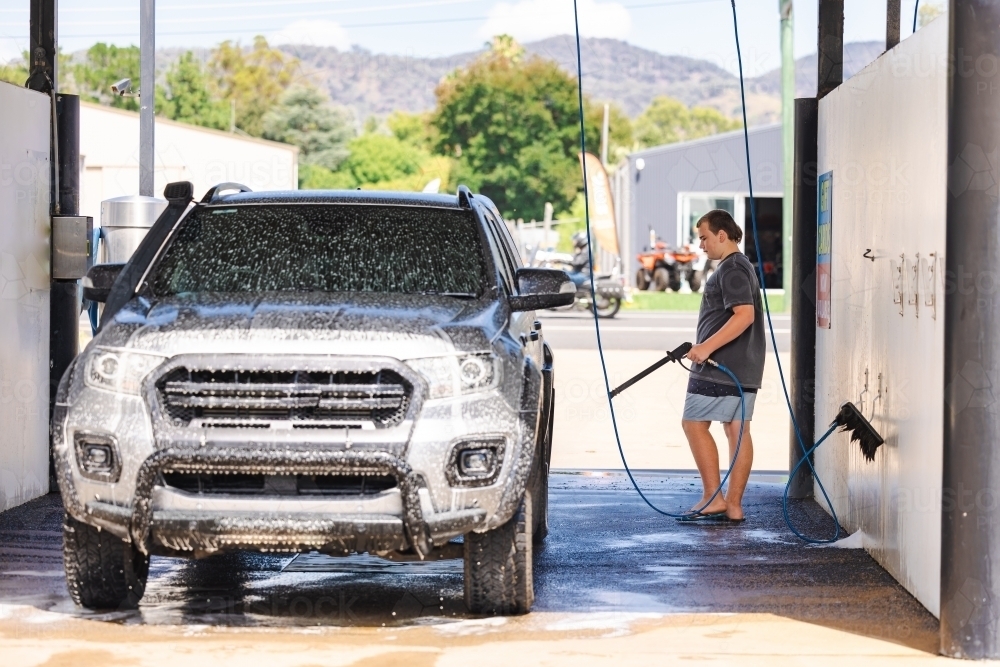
{"x": 122, "y": 88}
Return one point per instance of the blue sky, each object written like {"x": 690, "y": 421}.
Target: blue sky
{"x": 697, "y": 28}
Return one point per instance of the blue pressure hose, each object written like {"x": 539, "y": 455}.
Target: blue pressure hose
{"x": 753, "y": 217}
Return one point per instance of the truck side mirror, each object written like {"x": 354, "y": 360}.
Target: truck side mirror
{"x": 539, "y": 289}
{"x": 98, "y": 281}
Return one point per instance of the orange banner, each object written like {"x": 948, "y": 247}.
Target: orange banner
{"x": 602, "y": 207}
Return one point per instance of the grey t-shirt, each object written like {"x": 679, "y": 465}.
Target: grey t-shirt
{"x": 734, "y": 283}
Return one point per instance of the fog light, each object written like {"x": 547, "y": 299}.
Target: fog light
{"x": 97, "y": 457}
{"x": 474, "y": 463}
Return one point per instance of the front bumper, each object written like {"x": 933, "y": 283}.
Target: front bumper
{"x": 206, "y": 531}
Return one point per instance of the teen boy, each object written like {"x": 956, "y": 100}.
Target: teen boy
{"x": 730, "y": 332}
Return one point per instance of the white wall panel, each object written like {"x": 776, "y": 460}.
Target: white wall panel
{"x": 24, "y": 295}
{"x": 883, "y": 134}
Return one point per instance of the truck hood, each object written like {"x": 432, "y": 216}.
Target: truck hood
{"x": 386, "y": 325}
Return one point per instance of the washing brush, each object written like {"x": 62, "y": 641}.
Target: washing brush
{"x": 850, "y": 420}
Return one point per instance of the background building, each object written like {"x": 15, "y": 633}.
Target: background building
{"x": 109, "y": 158}
{"x": 661, "y": 192}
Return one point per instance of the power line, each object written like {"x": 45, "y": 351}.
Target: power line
{"x": 285, "y": 15}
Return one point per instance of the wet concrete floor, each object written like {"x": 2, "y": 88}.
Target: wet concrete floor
{"x": 609, "y": 568}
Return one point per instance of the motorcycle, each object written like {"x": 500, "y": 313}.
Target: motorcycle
{"x": 609, "y": 288}
{"x": 609, "y": 291}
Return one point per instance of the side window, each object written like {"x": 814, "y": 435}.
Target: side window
{"x": 515, "y": 253}
{"x": 499, "y": 258}
{"x": 499, "y": 231}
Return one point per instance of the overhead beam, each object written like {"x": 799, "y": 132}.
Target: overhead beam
{"x": 830, "y": 46}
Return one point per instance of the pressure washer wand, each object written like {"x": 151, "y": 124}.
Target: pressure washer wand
{"x": 675, "y": 355}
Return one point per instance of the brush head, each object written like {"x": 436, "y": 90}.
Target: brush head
{"x": 851, "y": 420}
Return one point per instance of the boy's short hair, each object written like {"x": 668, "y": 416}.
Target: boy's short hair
{"x": 719, "y": 220}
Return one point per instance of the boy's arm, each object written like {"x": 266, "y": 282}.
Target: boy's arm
{"x": 742, "y": 318}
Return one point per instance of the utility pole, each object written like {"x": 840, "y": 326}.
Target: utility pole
{"x": 788, "y": 144}
{"x": 970, "y": 532}
{"x": 147, "y": 94}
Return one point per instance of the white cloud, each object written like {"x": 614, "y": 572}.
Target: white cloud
{"x": 529, "y": 20}
{"x": 318, "y": 32}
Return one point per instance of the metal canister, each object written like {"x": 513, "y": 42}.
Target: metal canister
{"x": 124, "y": 223}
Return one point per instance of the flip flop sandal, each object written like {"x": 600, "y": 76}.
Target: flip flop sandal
{"x": 722, "y": 518}
{"x": 700, "y": 516}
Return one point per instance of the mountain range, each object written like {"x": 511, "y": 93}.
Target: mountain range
{"x": 613, "y": 71}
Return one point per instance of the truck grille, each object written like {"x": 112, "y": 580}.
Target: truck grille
{"x": 279, "y": 485}
{"x": 307, "y": 399}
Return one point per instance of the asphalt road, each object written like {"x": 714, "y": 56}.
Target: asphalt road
{"x": 635, "y": 330}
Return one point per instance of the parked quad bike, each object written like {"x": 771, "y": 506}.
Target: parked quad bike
{"x": 664, "y": 267}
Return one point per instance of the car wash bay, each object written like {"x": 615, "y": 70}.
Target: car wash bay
{"x": 614, "y": 579}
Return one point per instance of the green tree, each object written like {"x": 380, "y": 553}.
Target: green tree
{"x": 667, "y": 121}
{"x": 103, "y": 65}
{"x": 314, "y": 177}
{"x": 621, "y": 138}
{"x": 186, "y": 96}
{"x": 376, "y": 158}
{"x": 411, "y": 128}
{"x": 15, "y": 71}
{"x": 254, "y": 78}
{"x": 928, "y": 12}
{"x": 305, "y": 118}
{"x": 512, "y": 125}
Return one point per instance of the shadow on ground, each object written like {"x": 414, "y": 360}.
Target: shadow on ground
{"x": 606, "y": 553}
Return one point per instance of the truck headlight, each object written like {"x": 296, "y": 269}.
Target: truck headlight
{"x": 455, "y": 375}
{"x": 120, "y": 371}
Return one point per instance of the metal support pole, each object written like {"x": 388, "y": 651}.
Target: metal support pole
{"x": 788, "y": 141}
{"x": 147, "y": 93}
{"x": 970, "y": 531}
{"x": 892, "y": 18}
{"x": 64, "y": 303}
{"x": 42, "y": 37}
{"x": 803, "y": 294}
{"x": 830, "y": 46}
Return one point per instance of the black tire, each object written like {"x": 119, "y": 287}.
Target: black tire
{"x": 675, "y": 279}
{"x": 661, "y": 279}
{"x": 695, "y": 280}
{"x": 641, "y": 280}
{"x": 498, "y": 566}
{"x": 608, "y": 307}
{"x": 102, "y": 571}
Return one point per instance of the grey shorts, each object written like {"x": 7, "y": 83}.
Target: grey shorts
{"x": 698, "y": 408}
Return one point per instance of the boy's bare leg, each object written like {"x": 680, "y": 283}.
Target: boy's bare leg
{"x": 706, "y": 457}
{"x": 741, "y": 469}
